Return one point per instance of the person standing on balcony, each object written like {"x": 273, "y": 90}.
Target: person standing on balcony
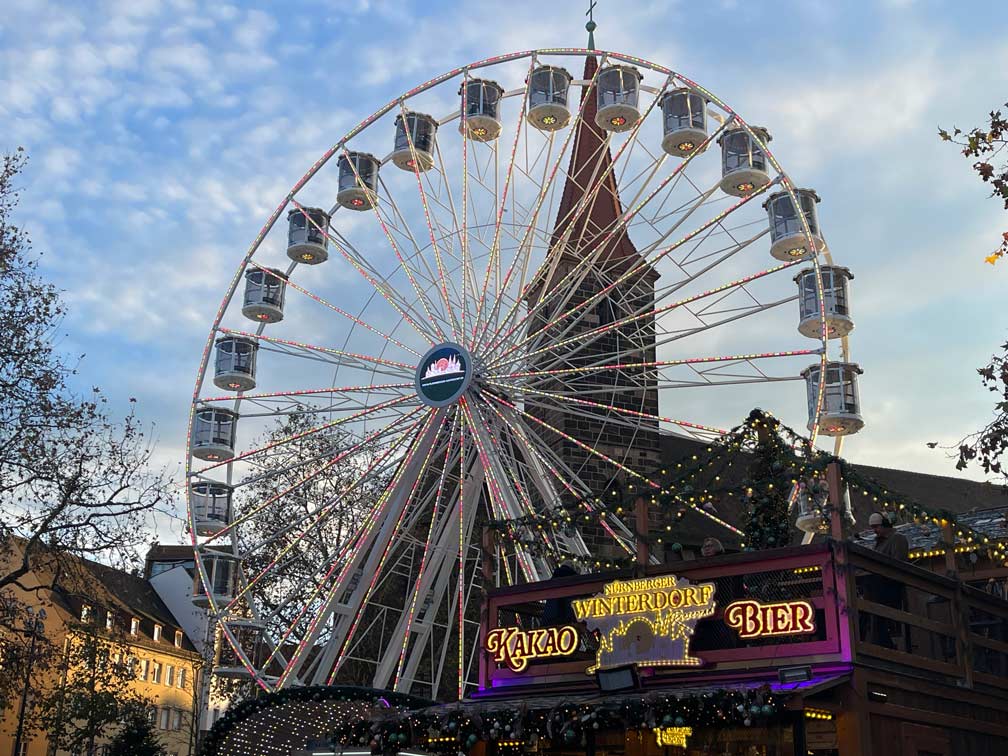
{"x": 887, "y": 540}
{"x": 884, "y": 590}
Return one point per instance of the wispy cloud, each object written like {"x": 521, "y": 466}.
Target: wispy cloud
{"x": 162, "y": 135}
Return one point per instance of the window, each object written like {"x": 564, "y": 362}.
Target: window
{"x": 144, "y": 664}
{"x": 178, "y": 639}
{"x": 134, "y": 626}
{"x": 181, "y": 677}
{"x": 109, "y": 621}
{"x": 169, "y": 675}
{"x": 85, "y": 613}
{"x": 157, "y": 632}
{"x": 163, "y": 720}
{"x": 176, "y": 719}
{"x": 155, "y": 673}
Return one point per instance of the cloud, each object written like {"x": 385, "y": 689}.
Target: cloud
{"x": 164, "y": 135}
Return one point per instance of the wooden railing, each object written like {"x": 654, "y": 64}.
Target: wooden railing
{"x": 927, "y": 622}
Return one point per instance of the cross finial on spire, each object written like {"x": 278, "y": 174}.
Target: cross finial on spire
{"x": 591, "y": 26}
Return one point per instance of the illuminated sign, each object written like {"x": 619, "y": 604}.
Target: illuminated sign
{"x": 648, "y": 622}
{"x": 443, "y": 375}
{"x": 673, "y": 736}
{"x": 514, "y": 647}
{"x": 755, "y": 620}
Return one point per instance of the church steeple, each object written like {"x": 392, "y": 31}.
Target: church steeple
{"x": 590, "y": 170}
{"x": 567, "y": 310}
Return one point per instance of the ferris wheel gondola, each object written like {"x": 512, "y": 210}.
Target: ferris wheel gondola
{"x": 515, "y": 317}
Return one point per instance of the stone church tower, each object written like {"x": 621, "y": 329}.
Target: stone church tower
{"x": 583, "y": 242}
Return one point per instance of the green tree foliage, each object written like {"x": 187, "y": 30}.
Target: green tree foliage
{"x": 96, "y": 691}
{"x": 770, "y": 478}
{"x": 985, "y": 145}
{"x": 136, "y": 738}
{"x": 27, "y": 656}
{"x": 987, "y": 446}
{"x": 74, "y": 481}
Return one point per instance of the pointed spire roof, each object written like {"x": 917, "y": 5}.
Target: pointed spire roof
{"x": 591, "y": 164}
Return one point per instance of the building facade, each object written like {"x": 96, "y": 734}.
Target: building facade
{"x": 119, "y": 612}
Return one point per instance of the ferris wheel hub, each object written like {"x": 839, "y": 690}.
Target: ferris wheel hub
{"x": 444, "y": 374}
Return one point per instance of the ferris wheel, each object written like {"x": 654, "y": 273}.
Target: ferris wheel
{"x": 495, "y": 295}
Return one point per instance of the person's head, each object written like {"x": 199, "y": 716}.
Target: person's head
{"x": 711, "y": 547}
{"x": 880, "y": 524}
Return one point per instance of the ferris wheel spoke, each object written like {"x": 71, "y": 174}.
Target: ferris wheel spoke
{"x": 459, "y": 229}
{"x": 345, "y": 548}
{"x": 543, "y": 193}
{"x": 405, "y": 626}
{"x": 503, "y": 500}
{"x": 647, "y": 481}
{"x": 646, "y": 313}
{"x": 652, "y": 364}
{"x": 381, "y": 286}
{"x": 449, "y": 312}
{"x": 622, "y": 535}
{"x": 398, "y": 224}
{"x": 534, "y": 474}
{"x": 598, "y": 182}
{"x": 634, "y": 270}
{"x": 343, "y": 313}
{"x": 369, "y": 473}
{"x": 351, "y": 359}
{"x": 304, "y": 434}
{"x": 387, "y": 512}
{"x": 580, "y": 444}
{"x": 494, "y": 261}
{"x": 621, "y": 225}
{"x": 617, "y": 409}
{"x": 324, "y": 584}
{"x": 280, "y": 395}
{"x": 529, "y": 229}
{"x": 336, "y": 651}
{"x": 633, "y": 351}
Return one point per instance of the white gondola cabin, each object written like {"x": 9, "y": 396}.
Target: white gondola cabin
{"x": 264, "y": 295}
{"x": 811, "y": 510}
{"x": 743, "y": 161}
{"x": 684, "y": 121}
{"x": 547, "y": 98}
{"x": 235, "y": 363}
{"x": 211, "y": 503}
{"x": 221, "y": 567}
{"x": 836, "y": 295}
{"x": 248, "y": 636}
{"x": 841, "y": 410}
{"x": 358, "y": 181}
{"x": 308, "y": 235}
{"x": 787, "y": 237}
{"x": 481, "y": 117}
{"x": 419, "y": 131}
{"x": 214, "y": 434}
{"x": 618, "y": 92}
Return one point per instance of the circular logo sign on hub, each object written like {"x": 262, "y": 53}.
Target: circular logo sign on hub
{"x": 443, "y": 375}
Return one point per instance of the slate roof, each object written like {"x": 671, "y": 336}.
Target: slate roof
{"x": 81, "y": 582}
{"x": 992, "y": 523}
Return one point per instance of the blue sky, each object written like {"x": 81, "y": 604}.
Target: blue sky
{"x": 162, "y": 134}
